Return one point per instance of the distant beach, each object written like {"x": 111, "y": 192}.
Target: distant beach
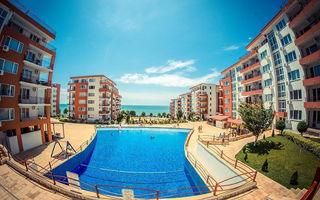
{"x": 138, "y": 108}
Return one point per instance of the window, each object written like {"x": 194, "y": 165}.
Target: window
{"x": 227, "y": 92}
{"x": 234, "y": 106}
{"x": 294, "y": 75}
{"x": 91, "y": 94}
{"x": 281, "y": 25}
{"x": 266, "y": 68}
{"x": 82, "y": 109}
{"x": 239, "y": 78}
{"x": 7, "y": 90}
{"x": 238, "y": 68}
{"x": 6, "y": 114}
{"x": 92, "y": 87}
{"x": 226, "y": 83}
{"x": 82, "y": 94}
{"x": 234, "y": 87}
{"x": 295, "y": 95}
{"x": 226, "y": 101}
{"x": 290, "y": 57}
{"x": 267, "y": 82}
{"x": 315, "y": 71}
{"x": 311, "y": 49}
{"x": 280, "y": 74}
{"x": 24, "y": 93}
{"x": 281, "y": 90}
{"x": 92, "y": 80}
{"x": 24, "y": 113}
{"x": 90, "y": 109}
{"x": 82, "y": 101}
{"x": 277, "y": 58}
{"x": 14, "y": 44}
{"x": 268, "y": 97}
{"x": 296, "y": 114}
{"x": 84, "y": 81}
{"x": 234, "y": 96}
{"x": 234, "y": 115}
{"x": 8, "y": 66}
{"x": 272, "y": 40}
{"x": 263, "y": 54}
{"x": 26, "y": 74}
{"x": 82, "y": 87}
{"x": 76, "y": 81}
{"x": 240, "y": 89}
{"x": 3, "y": 15}
{"x": 282, "y": 106}
{"x": 286, "y": 40}
{"x": 227, "y": 110}
{"x": 91, "y": 102}
{"x": 34, "y": 38}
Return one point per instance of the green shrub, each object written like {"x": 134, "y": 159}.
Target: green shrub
{"x": 309, "y": 145}
{"x": 245, "y": 157}
{"x": 280, "y": 125}
{"x": 302, "y": 127}
{"x": 265, "y": 166}
{"x": 294, "y": 178}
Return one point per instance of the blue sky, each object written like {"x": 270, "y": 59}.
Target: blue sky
{"x": 153, "y": 50}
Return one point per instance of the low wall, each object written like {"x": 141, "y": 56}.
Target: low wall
{"x": 29, "y": 141}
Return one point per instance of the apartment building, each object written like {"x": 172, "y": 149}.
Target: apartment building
{"x": 282, "y": 67}
{"x": 202, "y": 99}
{"x": 26, "y": 67}
{"x": 55, "y": 99}
{"x": 93, "y": 98}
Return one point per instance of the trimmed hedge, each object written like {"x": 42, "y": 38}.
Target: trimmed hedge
{"x": 309, "y": 145}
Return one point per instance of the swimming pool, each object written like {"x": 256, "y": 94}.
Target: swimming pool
{"x": 150, "y": 158}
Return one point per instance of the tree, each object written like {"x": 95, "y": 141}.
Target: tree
{"x": 191, "y": 114}
{"x": 245, "y": 157}
{"x": 133, "y": 113}
{"x": 168, "y": 115}
{"x": 143, "y": 114}
{"x": 302, "y": 127}
{"x": 265, "y": 166}
{"x": 65, "y": 111}
{"x": 164, "y": 114}
{"x": 256, "y": 118}
{"x": 150, "y": 114}
{"x": 179, "y": 114}
{"x": 119, "y": 118}
{"x": 127, "y": 119}
{"x": 159, "y": 115}
{"x": 280, "y": 125}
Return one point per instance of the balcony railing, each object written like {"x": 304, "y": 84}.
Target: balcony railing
{"x": 34, "y": 100}
{"x": 43, "y": 82}
{"x": 43, "y": 63}
{"x": 31, "y": 118}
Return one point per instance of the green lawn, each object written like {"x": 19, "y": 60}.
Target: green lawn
{"x": 284, "y": 162}
{"x": 315, "y": 139}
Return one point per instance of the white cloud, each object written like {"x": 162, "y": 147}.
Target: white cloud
{"x": 172, "y": 65}
{"x": 231, "y": 48}
{"x": 169, "y": 80}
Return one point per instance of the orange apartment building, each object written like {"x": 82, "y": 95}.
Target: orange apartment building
{"x": 93, "y": 98}
{"x": 26, "y": 67}
{"x": 282, "y": 67}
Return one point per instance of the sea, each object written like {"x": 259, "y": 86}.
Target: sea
{"x": 138, "y": 108}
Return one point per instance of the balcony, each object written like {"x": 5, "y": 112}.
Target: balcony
{"x": 310, "y": 58}
{"x": 252, "y": 92}
{"x": 32, "y": 118}
{"x": 312, "y": 104}
{"x": 34, "y": 100}
{"x": 38, "y": 64}
{"x": 251, "y": 67}
{"x": 303, "y": 13}
{"x": 42, "y": 83}
{"x": 311, "y": 81}
{"x": 310, "y": 33}
{"x": 251, "y": 80}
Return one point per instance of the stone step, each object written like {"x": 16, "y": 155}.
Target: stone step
{"x": 296, "y": 191}
{"x": 301, "y": 193}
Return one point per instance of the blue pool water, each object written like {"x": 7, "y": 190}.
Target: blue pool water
{"x": 131, "y": 158}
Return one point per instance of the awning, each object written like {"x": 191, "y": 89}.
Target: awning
{"x": 218, "y": 117}
{"x": 235, "y": 121}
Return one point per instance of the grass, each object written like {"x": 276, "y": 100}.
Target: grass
{"x": 283, "y": 162}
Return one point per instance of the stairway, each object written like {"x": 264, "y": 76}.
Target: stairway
{"x": 299, "y": 192}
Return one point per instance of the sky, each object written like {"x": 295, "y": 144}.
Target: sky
{"x": 153, "y": 49}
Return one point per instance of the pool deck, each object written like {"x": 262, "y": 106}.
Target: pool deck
{"x": 76, "y": 134}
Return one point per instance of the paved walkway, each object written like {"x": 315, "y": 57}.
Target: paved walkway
{"x": 16, "y": 186}
{"x": 78, "y": 133}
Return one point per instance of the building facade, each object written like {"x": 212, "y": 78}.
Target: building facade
{"x": 26, "y": 67}
{"x": 93, "y": 98}
{"x": 202, "y": 99}
{"x": 55, "y": 99}
{"x": 282, "y": 68}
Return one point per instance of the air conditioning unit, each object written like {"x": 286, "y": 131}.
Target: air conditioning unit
{"x": 1, "y": 72}
{"x": 270, "y": 72}
{"x": 287, "y": 82}
{"x": 39, "y": 55}
{"x": 33, "y": 107}
{"x": 5, "y": 48}
{"x": 289, "y": 102}
{"x": 34, "y": 89}
{"x": 36, "y": 71}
